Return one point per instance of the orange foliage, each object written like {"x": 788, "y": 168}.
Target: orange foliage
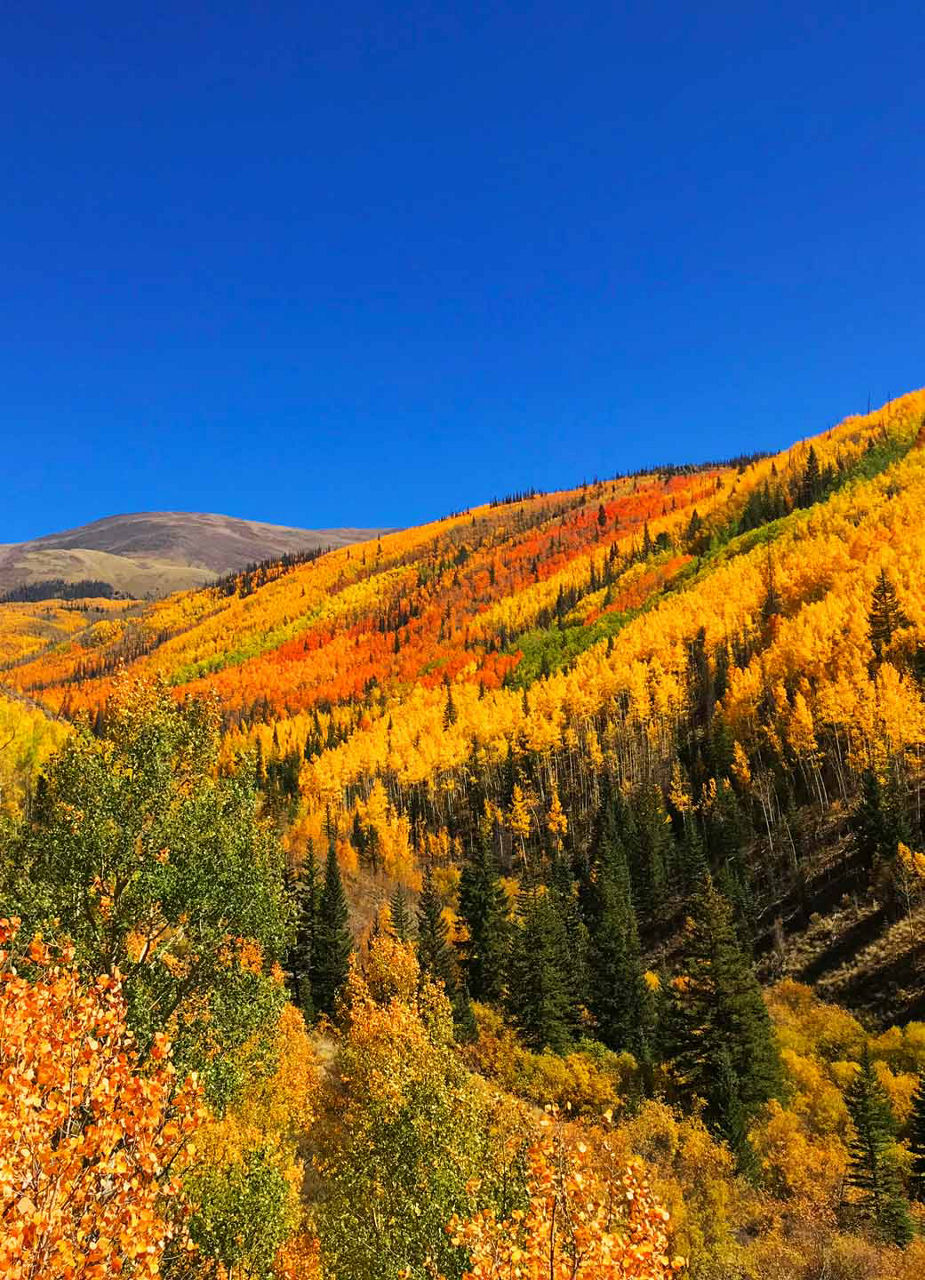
{"x": 582, "y": 1220}
{"x": 90, "y": 1144}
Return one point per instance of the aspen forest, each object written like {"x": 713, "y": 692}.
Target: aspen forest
{"x": 537, "y": 892}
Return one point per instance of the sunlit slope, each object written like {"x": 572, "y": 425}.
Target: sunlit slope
{"x": 401, "y": 685}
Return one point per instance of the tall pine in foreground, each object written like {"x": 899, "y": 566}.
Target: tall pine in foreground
{"x": 724, "y": 1049}
{"x": 917, "y": 1140}
{"x": 483, "y": 908}
{"x": 333, "y": 942}
{"x": 872, "y": 1169}
{"x": 306, "y": 898}
{"x": 539, "y": 998}
{"x": 401, "y": 919}
{"x": 435, "y": 956}
{"x": 619, "y": 998}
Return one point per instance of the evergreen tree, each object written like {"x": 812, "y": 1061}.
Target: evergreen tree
{"x": 811, "y": 482}
{"x": 434, "y": 952}
{"x": 724, "y": 1048}
{"x": 402, "y": 921}
{"x": 917, "y": 1139}
{"x": 435, "y": 956}
{"x": 483, "y": 908}
{"x": 648, "y": 841}
{"x": 879, "y": 819}
{"x": 538, "y": 996}
{"x": 306, "y": 895}
{"x": 619, "y": 999}
{"x": 871, "y": 1166}
{"x": 333, "y": 942}
{"x": 886, "y": 616}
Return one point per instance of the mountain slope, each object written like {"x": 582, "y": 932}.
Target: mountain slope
{"x": 157, "y": 552}
{"x": 696, "y": 641}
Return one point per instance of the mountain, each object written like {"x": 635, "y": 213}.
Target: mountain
{"x": 153, "y": 553}
{"x": 639, "y": 768}
{"x": 695, "y": 636}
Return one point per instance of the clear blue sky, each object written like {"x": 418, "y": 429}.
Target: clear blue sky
{"x": 363, "y": 263}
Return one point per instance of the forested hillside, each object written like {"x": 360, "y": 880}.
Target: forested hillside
{"x": 606, "y": 801}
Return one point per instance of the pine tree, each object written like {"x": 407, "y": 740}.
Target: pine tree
{"x": 879, "y": 819}
{"x": 917, "y": 1139}
{"x": 724, "y": 1046}
{"x": 648, "y": 841}
{"x": 538, "y": 994}
{"x": 484, "y": 910}
{"x": 401, "y": 919}
{"x": 333, "y": 942}
{"x": 435, "y": 956}
{"x": 619, "y": 999}
{"x": 885, "y": 616}
{"x": 811, "y": 482}
{"x": 305, "y": 892}
{"x": 871, "y": 1167}
{"x": 434, "y": 952}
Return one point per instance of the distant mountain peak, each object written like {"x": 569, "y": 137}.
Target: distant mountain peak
{"x": 152, "y": 553}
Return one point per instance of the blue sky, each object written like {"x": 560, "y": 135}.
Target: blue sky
{"x": 366, "y": 263}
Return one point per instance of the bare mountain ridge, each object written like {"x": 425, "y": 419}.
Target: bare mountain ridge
{"x": 152, "y": 553}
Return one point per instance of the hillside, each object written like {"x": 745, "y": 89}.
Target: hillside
{"x": 699, "y": 631}
{"x": 154, "y": 553}
{"x": 614, "y": 796}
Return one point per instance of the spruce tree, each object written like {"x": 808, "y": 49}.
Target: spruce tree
{"x": 886, "y": 616}
{"x": 871, "y": 1166}
{"x": 538, "y": 996}
{"x": 333, "y": 942}
{"x": 484, "y": 910}
{"x": 434, "y": 952}
{"x": 401, "y": 919}
{"x": 435, "y": 956}
{"x": 648, "y": 841}
{"x": 811, "y": 482}
{"x": 306, "y": 895}
{"x": 917, "y": 1140}
{"x": 879, "y": 819}
{"x": 619, "y": 998}
{"x": 724, "y": 1046}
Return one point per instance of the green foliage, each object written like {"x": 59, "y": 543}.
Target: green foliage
{"x": 333, "y": 940}
{"x": 306, "y": 893}
{"x": 401, "y": 918}
{"x": 408, "y": 1137}
{"x": 886, "y": 615}
{"x": 539, "y": 998}
{"x": 242, "y": 1215}
{"x": 153, "y": 864}
{"x": 917, "y": 1139}
{"x": 872, "y": 1168}
{"x": 723, "y": 1047}
{"x": 620, "y": 1001}
{"x": 483, "y": 908}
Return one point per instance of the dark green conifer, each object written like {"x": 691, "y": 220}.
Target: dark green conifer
{"x": 871, "y": 1166}
{"x": 811, "y": 482}
{"x": 333, "y": 941}
{"x": 434, "y": 952}
{"x": 436, "y": 958}
{"x": 401, "y": 918}
{"x": 484, "y": 910}
{"x": 538, "y": 996}
{"x": 619, "y": 999}
{"x": 879, "y": 819}
{"x": 886, "y": 616}
{"x": 306, "y": 896}
{"x": 648, "y": 841}
{"x": 917, "y": 1140}
{"x": 724, "y": 1046}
